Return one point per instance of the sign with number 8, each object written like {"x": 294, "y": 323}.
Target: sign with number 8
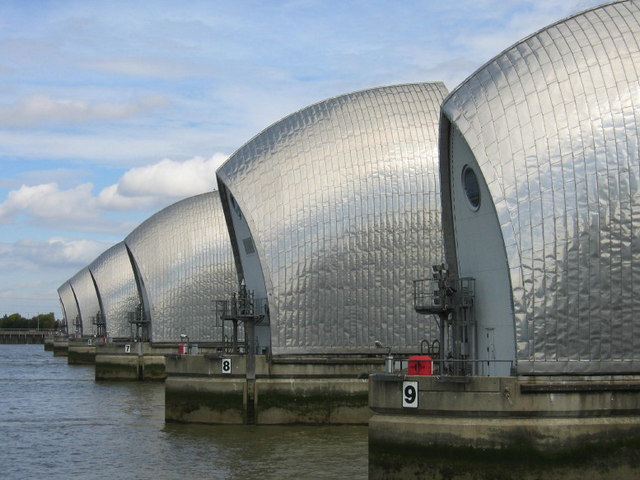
{"x": 226, "y": 365}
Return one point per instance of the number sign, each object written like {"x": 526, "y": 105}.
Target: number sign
{"x": 410, "y": 394}
{"x": 127, "y": 348}
{"x": 226, "y": 365}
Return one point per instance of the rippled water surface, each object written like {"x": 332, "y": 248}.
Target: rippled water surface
{"x": 56, "y": 422}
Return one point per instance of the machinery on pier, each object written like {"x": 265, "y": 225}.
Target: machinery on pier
{"x": 451, "y": 300}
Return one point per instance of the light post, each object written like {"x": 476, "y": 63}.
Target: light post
{"x": 388, "y": 359}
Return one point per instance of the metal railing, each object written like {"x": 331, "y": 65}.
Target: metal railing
{"x": 454, "y": 367}
{"x": 35, "y": 331}
{"x": 432, "y": 295}
{"x": 237, "y": 307}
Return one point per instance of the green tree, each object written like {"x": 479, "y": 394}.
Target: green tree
{"x": 15, "y": 320}
{"x": 44, "y": 321}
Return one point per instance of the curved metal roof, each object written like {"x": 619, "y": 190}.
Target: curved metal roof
{"x": 553, "y": 124}
{"x": 342, "y": 202}
{"x": 184, "y": 259}
{"x": 116, "y": 288}
{"x": 69, "y": 305}
{"x": 85, "y": 292}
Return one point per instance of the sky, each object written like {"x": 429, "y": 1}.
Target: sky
{"x": 112, "y": 110}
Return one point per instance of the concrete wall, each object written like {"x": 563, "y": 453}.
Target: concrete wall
{"x": 318, "y": 390}
{"x": 127, "y": 360}
{"x": 60, "y": 347}
{"x": 131, "y": 361}
{"x": 508, "y": 421}
{"x": 81, "y": 352}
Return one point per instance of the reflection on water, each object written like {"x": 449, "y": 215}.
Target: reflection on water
{"x": 58, "y": 422}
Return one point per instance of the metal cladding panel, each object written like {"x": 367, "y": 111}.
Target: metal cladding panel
{"x": 69, "y": 304}
{"x": 116, "y": 286}
{"x": 553, "y": 123}
{"x": 184, "y": 257}
{"x": 343, "y": 203}
{"x": 85, "y": 292}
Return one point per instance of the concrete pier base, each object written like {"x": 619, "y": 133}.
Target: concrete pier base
{"x": 48, "y": 344}
{"x": 60, "y": 347}
{"x": 131, "y": 361}
{"x": 319, "y": 390}
{"x": 203, "y": 400}
{"x": 510, "y": 427}
{"x": 81, "y": 352}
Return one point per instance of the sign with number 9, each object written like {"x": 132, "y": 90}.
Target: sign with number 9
{"x": 410, "y": 394}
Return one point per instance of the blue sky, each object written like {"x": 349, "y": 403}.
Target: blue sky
{"x": 109, "y": 111}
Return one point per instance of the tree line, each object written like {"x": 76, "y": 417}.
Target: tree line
{"x": 43, "y": 321}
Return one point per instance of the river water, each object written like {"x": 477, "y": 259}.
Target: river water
{"x": 56, "y": 422}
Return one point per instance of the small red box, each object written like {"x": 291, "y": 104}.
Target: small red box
{"x": 181, "y": 348}
{"x": 420, "y": 365}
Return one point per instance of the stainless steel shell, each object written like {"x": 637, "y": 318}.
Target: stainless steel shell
{"x": 342, "y": 202}
{"x": 183, "y": 255}
{"x": 553, "y": 123}
{"x": 116, "y": 288}
{"x": 69, "y": 305}
{"x": 87, "y": 298}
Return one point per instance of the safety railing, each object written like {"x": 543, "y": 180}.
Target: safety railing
{"x": 453, "y": 367}
{"x": 432, "y": 296}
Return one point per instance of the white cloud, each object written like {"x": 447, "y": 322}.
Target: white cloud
{"x": 35, "y": 269}
{"x": 137, "y": 190}
{"x": 47, "y": 201}
{"x": 42, "y": 109}
{"x": 171, "y": 178}
{"x": 55, "y": 253}
{"x": 110, "y": 198}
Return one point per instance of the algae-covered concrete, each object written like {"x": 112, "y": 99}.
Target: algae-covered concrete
{"x": 131, "y": 361}
{"x": 216, "y": 388}
{"x": 60, "y": 347}
{"x": 81, "y": 352}
{"x": 323, "y": 401}
{"x": 504, "y": 427}
{"x": 614, "y": 460}
{"x": 203, "y": 400}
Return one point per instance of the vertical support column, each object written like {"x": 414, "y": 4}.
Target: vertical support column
{"x": 443, "y": 347}
{"x": 235, "y": 336}
{"x": 250, "y": 333}
{"x": 140, "y": 361}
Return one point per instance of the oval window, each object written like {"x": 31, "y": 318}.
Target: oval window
{"x": 471, "y": 187}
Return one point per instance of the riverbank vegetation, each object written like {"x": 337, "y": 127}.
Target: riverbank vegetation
{"x": 42, "y": 321}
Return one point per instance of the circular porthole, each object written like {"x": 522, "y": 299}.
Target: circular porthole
{"x": 471, "y": 187}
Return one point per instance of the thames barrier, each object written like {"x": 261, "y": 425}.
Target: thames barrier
{"x": 457, "y": 270}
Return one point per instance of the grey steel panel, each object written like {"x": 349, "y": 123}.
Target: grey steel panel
{"x": 69, "y": 305}
{"x": 342, "y": 201}
{"x": 116, "y": 287}
{"x": 85, "y": 292}
{"x": 184, "y": 257}
{"x": 553, "y": 123}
